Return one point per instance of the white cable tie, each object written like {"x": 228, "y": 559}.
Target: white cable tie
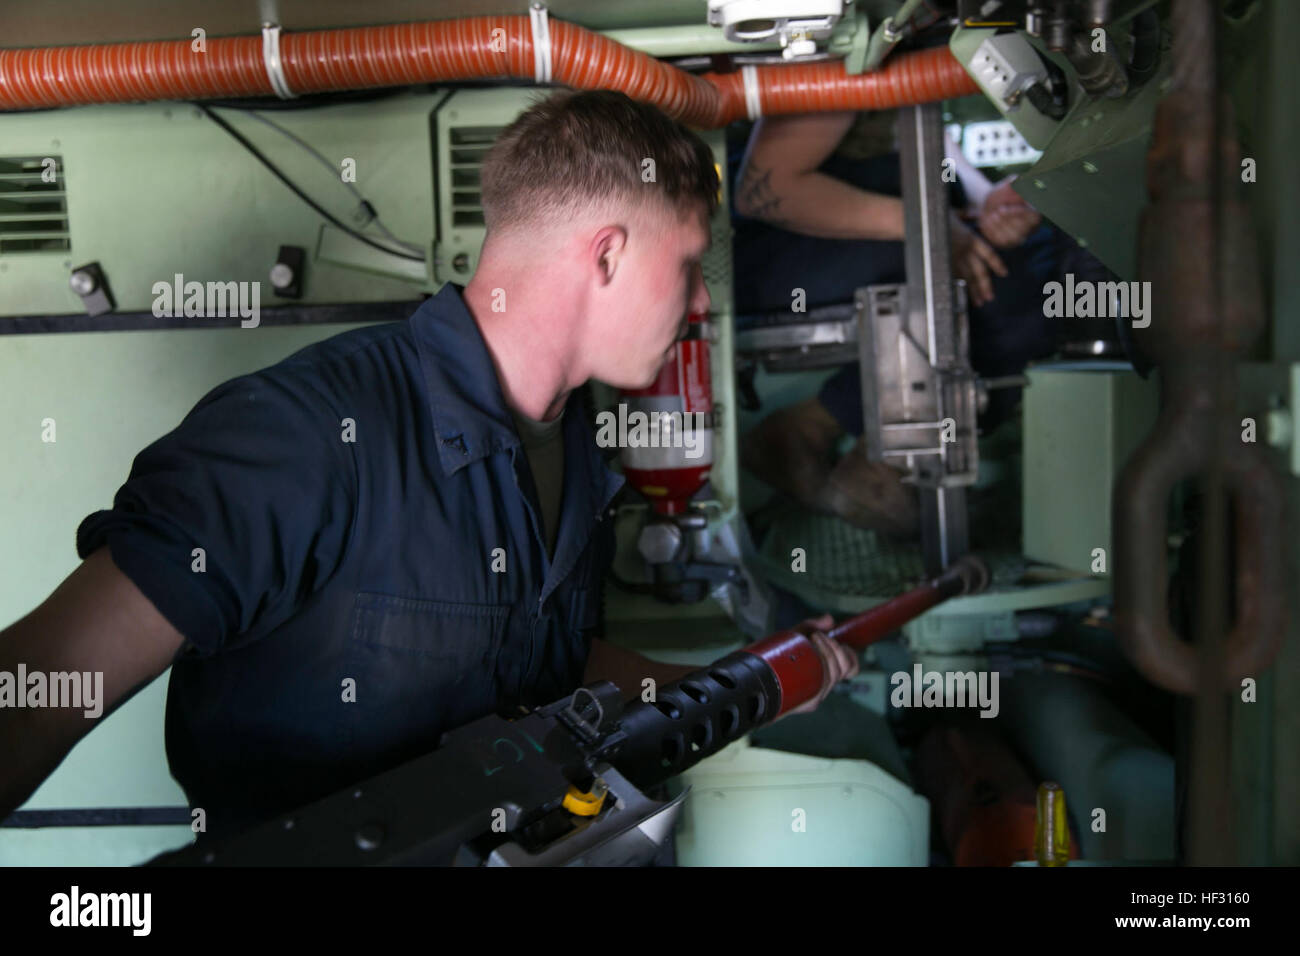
{"x": 541, "y": 43}
{"x": 753, "y": 105}
{"x": 274, "y": 65}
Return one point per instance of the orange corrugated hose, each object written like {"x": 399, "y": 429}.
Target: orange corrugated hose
{"x": 462, "y": 49}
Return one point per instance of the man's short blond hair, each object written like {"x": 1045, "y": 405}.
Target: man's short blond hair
{"x": 574, "y": 151}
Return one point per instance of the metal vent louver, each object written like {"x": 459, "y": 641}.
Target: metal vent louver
{"x": 469, "y": 144}
{"x": 33, "y": 205}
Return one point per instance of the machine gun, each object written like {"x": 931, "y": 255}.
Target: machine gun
{"x": 565, "y": 783}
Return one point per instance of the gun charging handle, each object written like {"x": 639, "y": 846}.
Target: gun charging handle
{"x": 798, "y": 666}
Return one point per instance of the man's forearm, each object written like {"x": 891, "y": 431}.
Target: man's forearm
{"x": 628, "y": 669}
{"x": 814, "y": 204}
{"x": 33, "y": 741}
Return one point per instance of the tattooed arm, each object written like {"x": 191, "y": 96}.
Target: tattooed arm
{"x": 779, "y": 182}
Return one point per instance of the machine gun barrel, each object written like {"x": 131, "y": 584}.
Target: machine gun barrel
{"x": 704, "y": 711}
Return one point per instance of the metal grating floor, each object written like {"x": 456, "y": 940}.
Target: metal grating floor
{"x": 853, "y": 563}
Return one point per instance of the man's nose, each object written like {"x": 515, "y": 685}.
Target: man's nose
{"x": 702, "y": 300}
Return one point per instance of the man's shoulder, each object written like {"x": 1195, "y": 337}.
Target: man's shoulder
{"x": 356, "y": 347}
{"x": 361, "y": 365}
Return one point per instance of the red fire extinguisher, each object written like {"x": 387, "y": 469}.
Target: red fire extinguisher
{"x": 675, "y": 462}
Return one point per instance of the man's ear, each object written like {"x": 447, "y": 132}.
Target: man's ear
{"x": 608, "y": 249}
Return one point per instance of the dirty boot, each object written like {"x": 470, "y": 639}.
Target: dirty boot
{"x": 871, "y": 494}
{"x": 792, "y": 450}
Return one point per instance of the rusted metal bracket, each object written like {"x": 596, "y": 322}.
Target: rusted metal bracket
{"x": 1197, "y": 249}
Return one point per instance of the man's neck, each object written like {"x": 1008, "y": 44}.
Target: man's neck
{"x": 525, "y": 337}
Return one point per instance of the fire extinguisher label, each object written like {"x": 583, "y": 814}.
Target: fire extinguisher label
{"x": 693, "y": 382}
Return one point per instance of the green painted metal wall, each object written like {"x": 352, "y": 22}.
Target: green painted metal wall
{"x": 110, "y": 394}
{"x": 158, "y": 189}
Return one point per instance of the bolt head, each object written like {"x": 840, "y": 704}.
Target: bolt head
{"x": 82, "y": 282}
{"x": 369, "y": 837}
{"x": 659, "y": 542}
{"x": 281, "y": 275}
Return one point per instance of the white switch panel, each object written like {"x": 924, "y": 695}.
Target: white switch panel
{"x": 996, "y": 143}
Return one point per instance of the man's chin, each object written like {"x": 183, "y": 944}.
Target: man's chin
{"x": 643, "y": 384}
{"x": 652, "y": 376}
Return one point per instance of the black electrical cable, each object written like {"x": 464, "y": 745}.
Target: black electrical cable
{"x": 298, "y": 192}
{"x": 363, "y": 205}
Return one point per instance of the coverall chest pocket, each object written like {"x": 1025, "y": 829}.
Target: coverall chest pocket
{"x": 423, "y": 666}
{"x": 584, "y": 612}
